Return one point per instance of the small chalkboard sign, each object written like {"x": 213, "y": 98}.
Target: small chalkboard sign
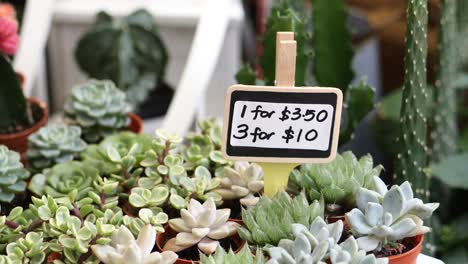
{"x": 282, "y": 124}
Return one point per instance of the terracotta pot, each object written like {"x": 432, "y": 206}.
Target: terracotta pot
{"x": 411, "y": 256}
{"x": 162, "y": 238}
{"x": 136, "y": 124}
{"x": 19, "y": 141}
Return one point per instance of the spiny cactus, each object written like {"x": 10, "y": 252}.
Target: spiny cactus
{"x": 413, "y": 117}
{"x": 99, "y": 108}
{"x": 445, "y": 117}
{"x": 284, "y": 17}
{"x": 54, "y": 144}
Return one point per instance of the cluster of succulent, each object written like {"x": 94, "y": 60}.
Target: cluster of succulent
{"x": 202, "y": 225}
{"x": 12, "y": 174}
{"x": 244, "y": 256}
{"x": 54, "y": 144}
{"x": 337, "y": 182}
{"x": 241, "y": 182}
{"x": 99, "y": 108}
{"x": 123, "y": 248}
{"x": 319, "y": 244}
{"x": 271, "y": 219}
{"x": 384, "y": 216}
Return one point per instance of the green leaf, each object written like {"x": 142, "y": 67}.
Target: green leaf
{"x": 68, "y": 242}
{"x": 136, "y": 200}
{"x": 113, "y": 154}
{"x": 452, "y": 171}
{"x": 44, "y": 213}
{"x": 246, "y": 75}
{"x": 332, "y": 43}
{"x": 177, "y": 201}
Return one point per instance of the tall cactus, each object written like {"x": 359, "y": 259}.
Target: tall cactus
{"x": 414, "y": 106}
{"x": 445, "y": 132}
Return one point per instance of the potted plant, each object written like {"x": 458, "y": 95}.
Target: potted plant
{"x": 337, "y": 182}
{"x": 389, "y": 223}
{"x": 243, "y": 256}
{"x": 201, "y": 227}
{"x": 100, "y": 109}
{"x": 19, "y": 116}
{"x": 131, "y": 53}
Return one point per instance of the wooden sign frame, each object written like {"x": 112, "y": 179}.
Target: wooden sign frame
{"x": 276, "y": 94}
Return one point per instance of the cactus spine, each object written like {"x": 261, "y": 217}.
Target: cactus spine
{"x": 413, "y": 158}
{"x": 445, "y": 133}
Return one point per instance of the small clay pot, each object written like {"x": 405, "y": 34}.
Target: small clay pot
{"x": 411, "y": 256}
{"x": 162, "y": 238}
{"x": 136, "y": 124}
{"x": 19, "y": 141}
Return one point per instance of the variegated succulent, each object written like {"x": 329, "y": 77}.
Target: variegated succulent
{"x": 200, "y": 225}
{"x": 125, "y": 249}
{"x": 54, "y": 144}
{"x": 337, "y": 181}
{"x": 99, "y": 108}
{"x": 385, "y": 216}
{"x": 12, "y": 174}
{"x": 241, "y": 182}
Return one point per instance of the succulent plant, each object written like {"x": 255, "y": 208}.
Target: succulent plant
{"x": 200, "y": 225}
{"x": 241, "y": 182}
{"x": 64, "y": 178}
{"x": 384, "y": 216}
{"x": 99, "y": 108}
{"x": 28, "y": 249}
{"x": 244, "y": 256}
{"x": 204, "y": 148}
{"x": 310, "y": 245}
{"x": 415, "y": 102}
{"x": 54, "y": 144}
{"x": 12, "y": 174}
{"x": 349, "y": 252}
{"x": 125, "y": 249}
{"x": 142, "y": 197}
{"x": 337, "y": 181}
{"x": 271, "y": 219}
{"x": 128, "y": 51}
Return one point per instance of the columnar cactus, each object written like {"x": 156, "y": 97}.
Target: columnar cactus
{"x": 99, "y": 108}
{"x": 445, "y": 116}
{"x": 54, "y": 144}
{"x": 12, "y": 174}
{"x": 414, "y": 106}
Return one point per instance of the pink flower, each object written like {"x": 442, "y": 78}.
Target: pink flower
{"x": 7, "y": 10}
{"x": 8, "y": 35}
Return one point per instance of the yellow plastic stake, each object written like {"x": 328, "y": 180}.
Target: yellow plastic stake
{"x": 276, "y": 176}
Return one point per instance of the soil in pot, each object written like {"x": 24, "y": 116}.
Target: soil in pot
{"x": 406, "y": 251}
{"x": 16, "y": 138}
{"x": 157, "y": 103}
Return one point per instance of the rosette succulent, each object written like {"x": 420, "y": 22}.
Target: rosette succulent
{"x": 270, "y": 220}
{"x": 99, "y": 108}
{"x": 54, "y": 144}
{"x": 349, "y": 252}
{"x": 12, "y": 174}
{"x": 125, "y": 249}
{"x": 64, "y": 178}
{"x": 385, "y": 216}
{"x": 337, "y": 181}
{"x": 241, "y": 182}
{"x": 200, "y": 225}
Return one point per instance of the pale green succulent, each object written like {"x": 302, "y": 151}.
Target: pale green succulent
{"x": 28, "y": 249}
{"x": 384, "y": 216}
{"x": 242, "y": 182}
{"x": 244, "y": 256}
{"x": 125, "y": 249}
{"x": 310, "y": 245}
{"x": 10, "y": 233}
{"x": 201, "y": 225}
{"x": 349, "y": 252}
{"x": 64, "y": 178}
{"x": 337, "y": 181}
{"x": 12, "y": 174}
{"x": 99, "y": 108}
{"x": 54, "y": 144}
{"x": 148, "y": 198}
{"x": 270, "y": 220}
